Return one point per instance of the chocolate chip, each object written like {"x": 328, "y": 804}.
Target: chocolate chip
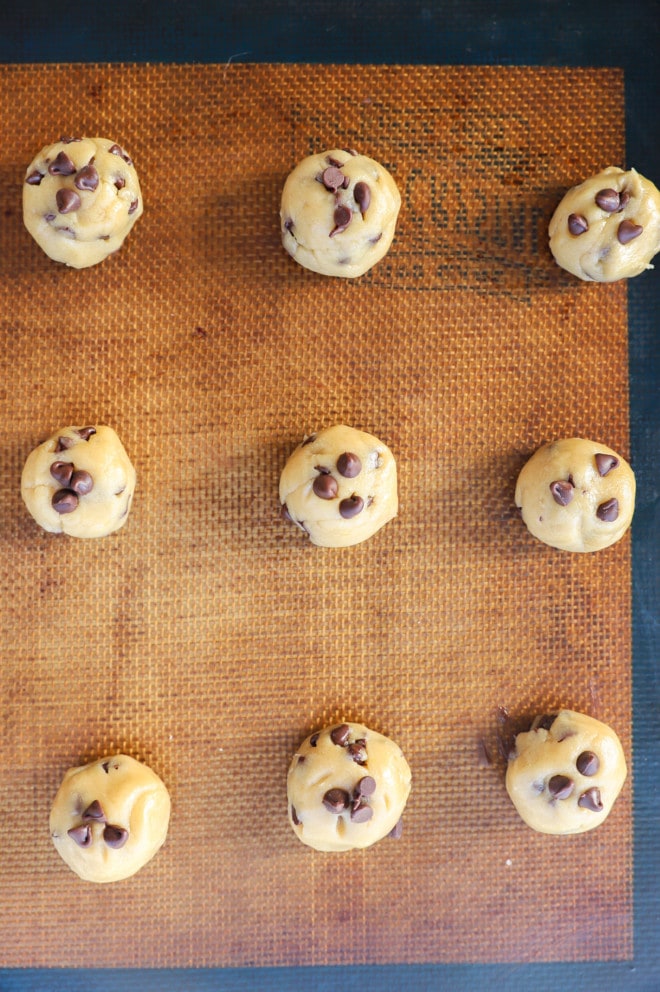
{"x": 560, "y": 786}
{"x": 333, "y": 161}
{"x": 67, "y": 200}
{"x": 120, "y": 182}
{"x": 577, "y": 224}
{"x": 361, "y": 812}
{"x": 325, "y": 486}
{"x": 62, "y": 166}
{"x": 64, "y": 443}
{"x": 358, "y": 752}
{"x": 133, "y": 207}
{"x": 82, "y": 835}
{"x": 397, "y": 830}
{"x": 351, "y": 506}
{"x": 115, "y": 837}
{"x": 349, "y": 465}
{"x": 106, "y": 767}
{"x": 376, "y": 238}
{"x": 366, "y": 786}
{"x": 342, "y": 218}
{"x": 288, "y": 225}
{"x": 562, "y": 492}
{"x": 362, "y": 196}
{"x": 308, "y": 440}
{"x": 81, "y": 482}
{"x": 350, "y": 151}
{"x": 294, "y": 816}
{"x": 62, "y": 472}
{"x": 117, "y": 150}
{"x": 587, "y": 763}
{"x": 608, "y": 511}
{"x": 66, "y": 140}
{"x": 591, "y": 800}
{"x": 64, "y": 501}
{"x": 94, "y": 812}
{"x": 608, "y": 200}
{"x": 314, "y": 739}
{"x": 284, "y": 513}
{"x": 628, "y": 231}
{"x": 333, "y": 178}
{"x": 87, "y": 178}
{"x": 34, "y": 178}
{"x": 336, "y": 800}
{"x": 605, "y": 463}
{"x": 624, "y": 199}
{"x": 339, "y": 735}
{"x": 49, "y": 217}
{"x": 86, "y": 432}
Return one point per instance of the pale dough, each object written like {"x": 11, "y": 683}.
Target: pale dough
{"x": 347, "y": 788}
{"x": 576, "y": 495}
{"x": 79, "y": 482}
{"x": 109, "y": 818}
{"x": 608, "y": 227}
{"x": 338, "y": 213}
{"x": 339, "y": 486}
{"x": 565, "y": 779}
{"x": 81, "y": 197}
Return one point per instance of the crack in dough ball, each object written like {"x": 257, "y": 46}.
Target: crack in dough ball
{"x": 109, "y": 818}
{"x": 81, "y": 197}
{"x": 566, "y": 773}
{"x": 338, "y": 213}
{"x": 339, "y": 486}
{"x": 608, "y": 227}
{"x": 79, "y": 482}
{"x": 576, "y": 495}
{"x": 347, "y": 788}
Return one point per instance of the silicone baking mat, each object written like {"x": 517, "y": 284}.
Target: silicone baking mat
{"x": 207, "y": 637}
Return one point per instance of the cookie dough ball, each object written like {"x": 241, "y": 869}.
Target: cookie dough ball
{"x": 339, "y": 486}
{"x": 576, "y": 495}
{"x": 79, "y": 482}
{"x": 608, "y": 227}
{"x": 81, "y": 197}
{"x": 565, "y": 773}
{"x": 347, "y": 788}
{"x": 338, "y": 213}
{"x": 109, "y": 818}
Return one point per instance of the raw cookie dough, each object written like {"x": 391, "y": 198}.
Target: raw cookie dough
{"x": 608, "y": 227}
{"x": 576, "y": 495}
{"x": 347, "y": 788}
{"x": 565, "y": 773}
{"x": 81, "y": 197}
{"x": 339, "y": 486}
{"x": 79, "y": 482}
{"x": 338, "y": 213}
{"x": 109, "y": 818}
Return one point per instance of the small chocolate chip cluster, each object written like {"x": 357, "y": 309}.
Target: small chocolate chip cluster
{"x": 74, "y": 482}
{"x": 610, "y": 202}
{"x": 334, "y": 181}
{"x": 325, "y": 485}
{"x": 563, "y": 491}
{"x": 562, "y": 786}
{"x": 113, "y": 836}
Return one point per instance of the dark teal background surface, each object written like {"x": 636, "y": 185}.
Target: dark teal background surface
{"x": 545, "y": 32}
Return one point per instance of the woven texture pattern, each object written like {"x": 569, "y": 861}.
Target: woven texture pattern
{"x": 208, "y": 638}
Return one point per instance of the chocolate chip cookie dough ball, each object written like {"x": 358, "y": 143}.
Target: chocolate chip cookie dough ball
{"x": 566, "y": 773}
{"x": 81, "y": 197}
{"x": 608, "y": 227}
{"x": 339, "y": 486}
{"x": 79, "y": 482}
{"x": 339, "y": 212}
{"x": 109, "y": 818}
{"x": 576, "y": 495}
{"x": 347, "y": 788}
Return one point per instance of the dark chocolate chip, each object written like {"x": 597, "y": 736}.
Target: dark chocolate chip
{"x": 82, "y": 835}
{"x": 349, "y": 465}
{"x": 81, "y": 482}
{"x": 397, "y": 830}
{"x": 64, "y": 501}
{"x": 314, "y": 739}
{"x": 87, "y": 178}
{"x": 308, "y": 440}
{"x": 366, "y": 786}
{"x": 115, "y": 837}
{"x": 133, "y": 207}
{"x": 66, "y": 139}
{"x": 350, "y": 151}
{"x": 67, "y": 200}
{"x": 587, "y": 763}
{"x": 351, "y": 506}
{"x": 62, "y": 166}
{"x": 342, "y": 218}
{"x": 49, "y": 217}
{"x": 591, "y": 800}
{"x": 120, "y": 182}
{"x": 86, "y": 432}
{"x": 34, "y": 178}
{"x": 333, "y": 161}
{"x": 608, "y": 511}
{"x": 336, "y": 800}
{"x": 605, "y": 463}
{"x": 376, "y": 238}
{"x": 361, "y": 812}
{"x": 106, "y": 767}
{"x": 608, "y": 200}
{"x": 333, "y": 178}
{"x": 628, "y": 231}
{"x": 624, "y": 200}
{"x": 94, "y": 812}
{"x": 577, "y": 224}
{"x": 288, "y": 225}
{"x": 325, "y": 486}
{"x": 560, "y": 786}
{"x": 339, "y": 735}
{"x": 64, "y": 443}
{"x": 358, "y": 752}
{"x": 62, "y": 472}
{"x": 562, "y": 492}
{"x": 284, "y": 513}
{"x": 362, "y": 196}
{"x": 117, "y": 150}
{"x": 294, "y": 816}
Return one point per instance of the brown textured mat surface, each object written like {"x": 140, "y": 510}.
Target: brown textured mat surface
{"x": 207, "y": 637}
